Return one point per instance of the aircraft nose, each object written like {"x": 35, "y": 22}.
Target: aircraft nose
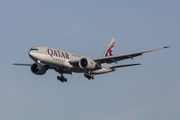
{"x": 32, "y": 54}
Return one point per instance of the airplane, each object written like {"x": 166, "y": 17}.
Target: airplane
{"x": 65, "y": 62}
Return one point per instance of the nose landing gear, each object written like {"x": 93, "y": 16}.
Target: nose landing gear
{"x": 62, "y": 79}
{"x": 89, "y": 76}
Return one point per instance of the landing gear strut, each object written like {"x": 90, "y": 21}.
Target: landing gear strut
{"x": 88, "y": 75}
{"x": 62, "y": 78}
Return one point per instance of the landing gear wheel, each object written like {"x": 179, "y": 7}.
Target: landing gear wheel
{"x": 89, "y": 76}
{"x": 65, "y": 80}
{"x": 62, "y": 79}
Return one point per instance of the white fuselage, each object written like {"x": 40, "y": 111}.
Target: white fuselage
{"x": 61, "y": 59}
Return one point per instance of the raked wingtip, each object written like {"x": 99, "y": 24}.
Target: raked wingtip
{"x": 167, "y": 47}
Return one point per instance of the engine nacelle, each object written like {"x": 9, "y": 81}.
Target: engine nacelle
{"x": 38, "y": 69}
{"x": 86, "y": 63}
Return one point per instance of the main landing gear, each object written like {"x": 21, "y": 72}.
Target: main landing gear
{"x": 88, "y": 75}
{"x": 62, "y": 78}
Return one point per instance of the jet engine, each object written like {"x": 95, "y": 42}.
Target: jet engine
{"x": 86, "y": 63}
{"x": 38, "y": 69}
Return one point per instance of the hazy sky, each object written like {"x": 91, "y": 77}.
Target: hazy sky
{"x": 147, "y": 92}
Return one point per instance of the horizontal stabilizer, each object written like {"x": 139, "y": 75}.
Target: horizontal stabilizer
{"x": 125, "y": 65}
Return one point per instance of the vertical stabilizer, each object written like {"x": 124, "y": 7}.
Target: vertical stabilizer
{"x": 110, "y": 48}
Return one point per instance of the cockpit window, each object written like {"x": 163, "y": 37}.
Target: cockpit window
{"x": 34, "y": 49}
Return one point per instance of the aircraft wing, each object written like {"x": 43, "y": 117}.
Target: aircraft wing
{"x": 116, "y": 58}
{"x": 22, "y": 64}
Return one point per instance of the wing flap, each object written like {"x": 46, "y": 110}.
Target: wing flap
{"x": 118, "y": 66}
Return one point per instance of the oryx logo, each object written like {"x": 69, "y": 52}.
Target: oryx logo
{"x": 109, "y": 51}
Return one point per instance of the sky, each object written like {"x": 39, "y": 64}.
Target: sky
{"x": 147, "y": 92}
